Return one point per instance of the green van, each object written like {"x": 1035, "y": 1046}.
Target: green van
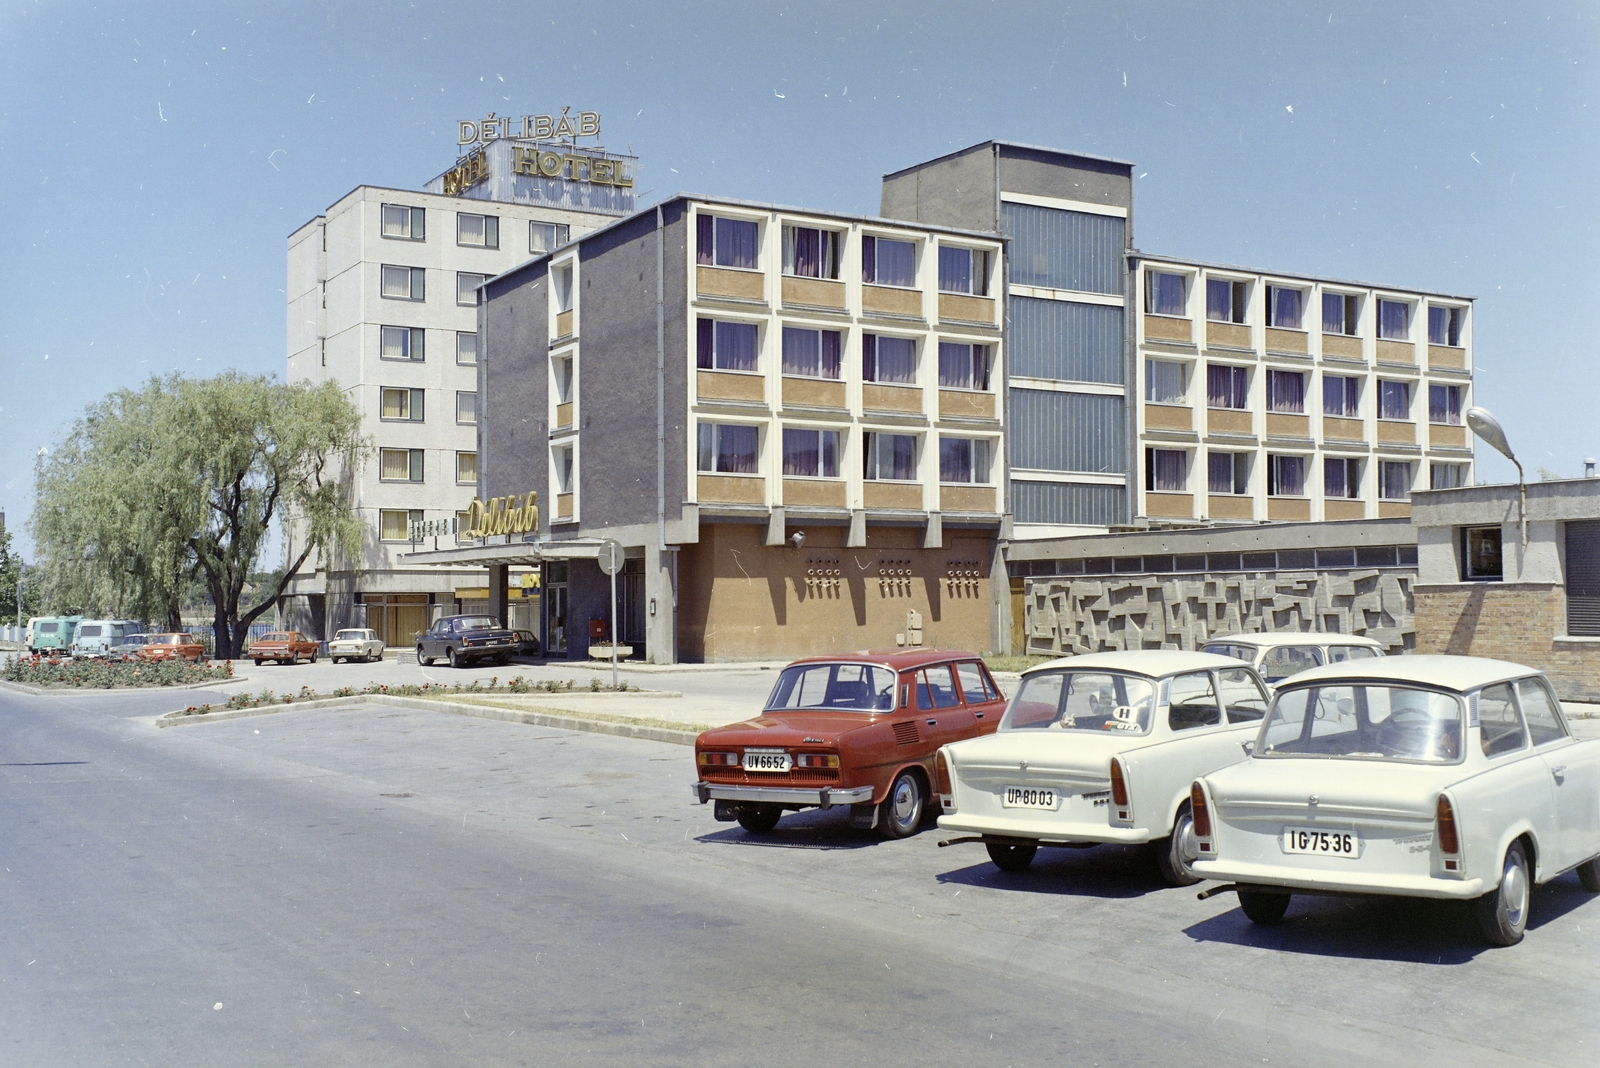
{"x": 53, "y": 635}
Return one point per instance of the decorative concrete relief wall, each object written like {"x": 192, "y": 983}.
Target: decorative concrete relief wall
{"x": 1068, "y": 614}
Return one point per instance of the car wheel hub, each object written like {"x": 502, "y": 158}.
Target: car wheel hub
{"x": 905, "y": 802}
{"x": 1514, "y": 893}
{"x": 1188, "y": 848}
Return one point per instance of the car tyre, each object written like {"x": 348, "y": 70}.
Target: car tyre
{"x": 1589, "y": 875}
{"x": 455, "y": 658}
{"x": 313, "y": 658}
{"x": 1503, "y": 911}
{"x": 759, "y": 818}
{"x": 1176, "y": 853}
{"x": 425, "y": 661}
{"x": 1011, "y": 857}
{"x": 258, "y": 663}
{"x": 1263, "y": 906}
{"x": 901, "y": 813}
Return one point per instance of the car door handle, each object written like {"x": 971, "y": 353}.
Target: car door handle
{"x": 977, "y": 715}
{"x": 1559, "y": 772}
{"x": 933, "y": 723}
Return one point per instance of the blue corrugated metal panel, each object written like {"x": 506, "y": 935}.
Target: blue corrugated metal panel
{"x": 1067, "y": 431}
{"x": 1065, "y": 249}
{"x": 1067, "y": 503}
{"x": 1066, "y": 340}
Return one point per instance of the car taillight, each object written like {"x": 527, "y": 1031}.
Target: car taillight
{"x": 1449, "y": 840}
{"x": 718, "y": 758}
{"x": 816, "y": 760}
{"x": 941, "y": 773}
{"x": 1119, "y": 786}
{"x": 1199, "y": 811}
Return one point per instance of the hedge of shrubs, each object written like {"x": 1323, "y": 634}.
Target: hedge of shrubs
{"x": 428, "y": 689}
{"x": 110, "y": 674}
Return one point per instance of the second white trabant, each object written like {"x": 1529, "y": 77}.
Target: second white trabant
{"x": 1101, "y": 748}
{"x": 1419, "y": 776}
{"x": 1276, "y": 655}
{"x": 356, "y": 643}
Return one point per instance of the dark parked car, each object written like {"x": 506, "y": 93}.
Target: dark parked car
{"x": 527, "y": 643}
{"x": 464, "y": 639}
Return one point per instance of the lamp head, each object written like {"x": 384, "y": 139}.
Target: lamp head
{"x": 1487, "y": 427}
{"x": 797, "y": 539}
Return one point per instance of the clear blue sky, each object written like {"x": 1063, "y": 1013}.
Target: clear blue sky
{"x": 156, "y": 156}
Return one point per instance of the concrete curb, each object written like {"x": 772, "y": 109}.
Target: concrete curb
{"x": 507, "y": 715}
{"x": 64, "y": 691}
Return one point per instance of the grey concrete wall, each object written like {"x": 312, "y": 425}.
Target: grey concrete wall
{"x": 955, "y": 191}
{"x": 513, "y": 387}
{"x": 1052, "y": 174}
{"x": 1255, "y": 537}
{"x": 1440, "y": 515}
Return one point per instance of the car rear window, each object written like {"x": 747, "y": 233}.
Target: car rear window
{"x": 1338, "y": 654}
{"x": 1082, "y": 701}
{"x": 477, "y": 623}
{"x": 843, "y": 687}
{"x": 1286, "y": 660}
{"x": 1238, "y": 652}
{"x": 88, "y": 632}
{"x": 1366, "y": 722}
{"x": 48, "y": 628}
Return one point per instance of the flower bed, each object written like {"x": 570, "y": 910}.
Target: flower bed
{"x": 427, "y": 689}
{"x": 109, "y": 674}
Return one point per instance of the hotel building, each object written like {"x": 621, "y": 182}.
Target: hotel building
{"x": 383, "y": 298}
{"x": 1290, "y": 398}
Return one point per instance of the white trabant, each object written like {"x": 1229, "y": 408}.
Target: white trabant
{"x": 1419, "y": 776}
{"x": 1101, "y": 748}
{"x": 355, "y": 644}
{"x": 1278, "y": 655}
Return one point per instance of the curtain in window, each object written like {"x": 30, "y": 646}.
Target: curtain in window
{"x": 1394, "y": 481}
{"x": 394, "y": 343}
{"x": 395, "y": 404}
{"x": 394, "y": 463}
{"x": 734, "y": 346}
{"x": 1285, "y": 310}
{"x": 1219, "y": 303}
{"x": 1163, "y": 382}
{"x": 802, "y": 352}
{"x": 955, "y": 459}
{"x": 891, "y": 456}
{"x": 1394, "y": 400}
{"x": 736, "y": 449}
{"x": 397, "y": 282}
{"x": 1286, "y": 392}
{"x": 1166, "y": 294}
{"x": 1332, "y": 313}
{"x": 801, "y": 452}
{"x": 955, "y": 270}
{"x": 705, "y": 239}
{"x": 466, "y": 347}
{"x": 895, "y": 263}
{"x": 803, "y": 251}
{"x": 466, "y": 407}
{"x": 1341, "y": 396}
{"x": 1438, "y": 325}
{"x": 1340, "y": 478}
{"x": 955, "y": 365}
{"x": 1167, "y": 470}
{"x": 1220, "y": 473}
{"x": 466, "y": 467}
{"x": 1394, "y": 320}
{"x": 1446, "y": 476}
{"x": 736, "y": 243}
{"x": 1226, "y": 386}
{"x": 889, "y": 359}
{"x": 1444, "y": 405}
{"x": 1286, "y": 476}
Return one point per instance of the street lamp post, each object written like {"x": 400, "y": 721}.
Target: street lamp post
{"x": 1487, "y": 427}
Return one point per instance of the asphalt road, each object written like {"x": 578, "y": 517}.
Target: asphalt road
{"x": 385, "y": 887}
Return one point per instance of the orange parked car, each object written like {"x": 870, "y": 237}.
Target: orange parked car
{"x": 284, "y": 646}
{"x": 173, "y": 647}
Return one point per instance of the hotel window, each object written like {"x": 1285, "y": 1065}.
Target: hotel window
{"x": 811, "y": 353}
{"x": 1286, "y": 392}
{"x": 721, "y": 346}
{"x": 394, "y": 524}
{"x": 890, "y": 457}
{"x": 403, "y": 404}
{"x": 1225, "y": 300}
{"x": 1481, "y": 554}
{"x": 723, "y": 242}
{"x": 729, "y": 449}
{"x": 467, "y": 293}
{"x": 963, "y": 270}
{"x": 888, "y": 263}
{"x": 561, "y": 370}
{"x": 404, "y": 283}
{"x": 1284, "y": 308}
{"x": 963, "y": 366}
{"x": 1447, "y": 476}
{"x": 1341, "y": 478}
{"x": 1444, "y": 405}
{"x": 1227, "y": 387}
{"x": 1444, "y": 325}
{"x": 1339, "y": 313}
{"x": 561, "y": 286}
{"x": 467, "y": 468}
{"x": 964, "y": 460}
{"x": 1341, "y": 396}
{"x": 1394, "y": 480}
{"x": 1286, "y": 476}
{"x": 404, "y": 223}
{"x": 547, "y": 237}
{"x": 400, "y": 465}
{"x": 466, "y": 407}
{"x": 479, "y": 231}
{"x": 401, "y": 343}
{"x": 1394, "y": 399}
{"x": 466, "y": 347}
{"x": 888, "y": 359}
{"x": 810, "y": 453}
{"x": 1228, "y": 472}
{"x": 809, "y": 252}
{"x": 565, "y": 467}
{"x": 1165, "y": 294}
{"x": 1164, "y": 382}
{"x": 1166, "y": 470}
{"x": 1394, "y": 320}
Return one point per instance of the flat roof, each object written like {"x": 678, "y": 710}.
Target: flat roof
{"x": 1299, "y": 275}
{"x": 1010, "y": 144}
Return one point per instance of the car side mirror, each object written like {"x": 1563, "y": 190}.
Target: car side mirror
{"x": 1248, "y": 747}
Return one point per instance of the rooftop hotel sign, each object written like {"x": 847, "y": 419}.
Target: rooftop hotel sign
{"x": 535, "y": 159}
{"x": 564, "y": 127}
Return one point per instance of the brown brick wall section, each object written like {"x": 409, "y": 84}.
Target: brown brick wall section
{"x": 1520, "y": 622}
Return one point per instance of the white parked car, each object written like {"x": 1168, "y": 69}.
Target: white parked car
{"x": 1418, "y": 776}
{"x": 1278, "y": 655}
{"x": 357, "y": 644}
{"x": 1101, "y": 748}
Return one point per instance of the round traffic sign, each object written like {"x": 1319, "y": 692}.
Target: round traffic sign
{"x": 611, "y": 556}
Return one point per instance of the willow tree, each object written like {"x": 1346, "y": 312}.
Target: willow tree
{"x": 185, "y": 478}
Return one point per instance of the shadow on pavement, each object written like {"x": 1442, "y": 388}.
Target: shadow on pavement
{"x": 1413, "y": 930}
{"x": 808, "y": 829}
{"x": 1105, "y": 871}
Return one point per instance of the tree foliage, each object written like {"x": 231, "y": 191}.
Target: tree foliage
{"x": 181, "y": 481}
{"x": 11, "y": 565}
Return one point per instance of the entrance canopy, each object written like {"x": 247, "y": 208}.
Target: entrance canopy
{"x": 526, "y": 553}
